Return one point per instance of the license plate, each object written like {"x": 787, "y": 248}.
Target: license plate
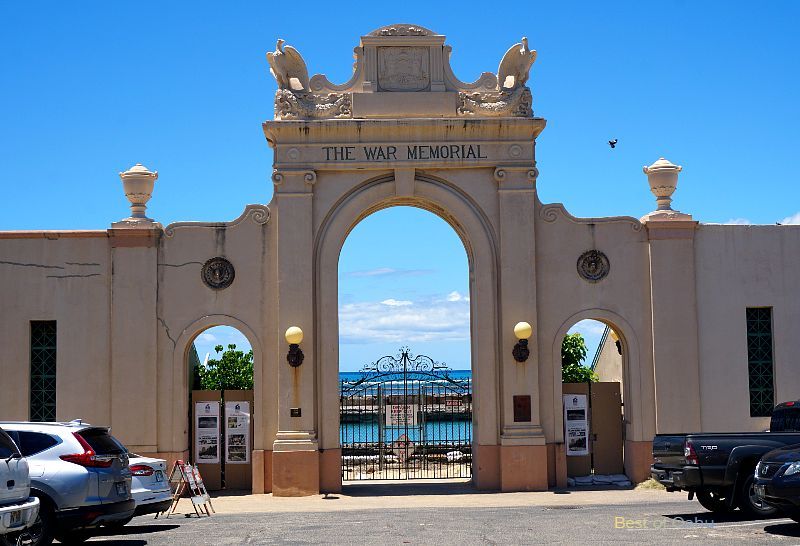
{"x": 159, "y": 476}
{"x": 761, "y": 491}
{"x": 16, "y": 518}
{"x": 122, "y": 490}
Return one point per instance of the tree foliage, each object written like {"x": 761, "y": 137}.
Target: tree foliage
{"x": 573, "y": 353}
{"x": 233, "y": 370}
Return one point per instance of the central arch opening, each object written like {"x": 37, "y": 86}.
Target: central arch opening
{"x": 405, "y": 378}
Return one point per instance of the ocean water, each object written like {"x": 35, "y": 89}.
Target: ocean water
{"x": 435, "y": 432}
{"x": 440, "y": 432}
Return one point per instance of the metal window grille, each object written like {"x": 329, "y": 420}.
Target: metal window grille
{"x": 43, "y": 371}
{"x": 760, "y": 364}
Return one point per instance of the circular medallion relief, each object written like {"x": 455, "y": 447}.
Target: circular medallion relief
{"x": 593, "y": 265}
{"x": 218, "y": 273}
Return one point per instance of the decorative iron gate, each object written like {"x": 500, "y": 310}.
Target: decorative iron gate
{"x": 406, "y": 417}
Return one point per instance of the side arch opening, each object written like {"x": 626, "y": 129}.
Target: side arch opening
{"x": 220, "y": 362}
{"x": 598, "y": 400}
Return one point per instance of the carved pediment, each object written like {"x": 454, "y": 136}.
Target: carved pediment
{"x": 400, "y": 71}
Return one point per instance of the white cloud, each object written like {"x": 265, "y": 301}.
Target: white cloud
{"x": 432, "y": 319}
{"x": 388, "y": 272}
{"x": 454, "y": 296}
{"x": 397, "y": 303}
{"x": 739, "y": 222}
{"x": 206, "y": 337}
{"x": 794, "y": 219}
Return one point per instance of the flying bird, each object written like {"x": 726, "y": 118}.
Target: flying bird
{"x": 613, "y": 143}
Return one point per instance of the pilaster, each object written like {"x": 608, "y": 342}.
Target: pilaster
{"x": 134, "y": 333}
{"x": 295, "y": 457}
{"x": 673, "y": 301}
{"x": 523, "y": 458}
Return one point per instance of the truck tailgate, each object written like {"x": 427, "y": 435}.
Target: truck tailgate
{"x": 668, "y": 450}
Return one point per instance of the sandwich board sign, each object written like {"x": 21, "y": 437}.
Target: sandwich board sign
{"x": 185, "y": 479}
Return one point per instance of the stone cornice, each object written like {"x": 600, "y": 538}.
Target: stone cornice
{"x": 258, "y": 214}
{"x": 420, "y": 144}
{"x": 403, "y": 130}
{"x": 54, "y": 234}
{"x": 552, "y": 212}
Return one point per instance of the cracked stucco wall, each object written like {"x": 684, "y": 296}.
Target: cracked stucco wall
{"x": 64, "y": 279}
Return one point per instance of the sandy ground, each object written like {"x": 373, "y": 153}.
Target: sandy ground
{"x": 442, "y": 493}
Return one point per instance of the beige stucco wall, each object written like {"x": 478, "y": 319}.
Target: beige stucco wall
{"x": 739, "y": 267}
{"x": 621, "y": 300}
{"x": 186, "y": 307}
{"x": 122, "y": 338}
{"x": 64, "y": 278}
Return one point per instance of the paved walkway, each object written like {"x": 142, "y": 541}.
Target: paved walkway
{"x": 636, "y": 521}
{"x": 439, "y": 494}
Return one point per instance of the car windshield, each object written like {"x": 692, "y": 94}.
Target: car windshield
{"x": 7, "y": 446}
{"x": 785, "y": 420}
{"x": 102, "y": 442}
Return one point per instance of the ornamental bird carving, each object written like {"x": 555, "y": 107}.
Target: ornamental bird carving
{"x": 515, "y": 66}
{"x": 288, "y": 67}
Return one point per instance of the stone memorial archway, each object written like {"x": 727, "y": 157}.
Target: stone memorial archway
{"x": 405, "y": 131}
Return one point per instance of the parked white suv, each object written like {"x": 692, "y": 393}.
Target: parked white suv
{"x": 18, "y": 510}
{"x": 80, "y": 474}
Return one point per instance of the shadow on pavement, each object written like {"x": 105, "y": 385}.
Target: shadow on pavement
{"x": 784, "y": 529}
{"x": 400, "y": 489}
{"x": 117, "y": 542}
{"x": 136, "y": 529}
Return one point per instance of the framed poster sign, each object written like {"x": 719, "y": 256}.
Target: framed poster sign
{"x": 206, "y": 432}
{"x": 237, "y": 432}
{"x": 576, "y": 424}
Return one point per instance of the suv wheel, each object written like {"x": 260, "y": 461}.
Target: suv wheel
{"x": 712, "y": 501}
{"x": 750, "y": 503}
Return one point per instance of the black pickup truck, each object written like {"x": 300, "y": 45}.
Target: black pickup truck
{"x": 719, "y": 467}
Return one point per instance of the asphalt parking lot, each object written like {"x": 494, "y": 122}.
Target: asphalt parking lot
{"x": 667, "y": 521}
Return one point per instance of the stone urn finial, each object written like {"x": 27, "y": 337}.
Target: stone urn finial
{"x": 663, "y": 178}
{"x": 138, "y": 182}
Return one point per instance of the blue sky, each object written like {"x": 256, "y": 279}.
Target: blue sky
{"x": 183, "y": 88}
